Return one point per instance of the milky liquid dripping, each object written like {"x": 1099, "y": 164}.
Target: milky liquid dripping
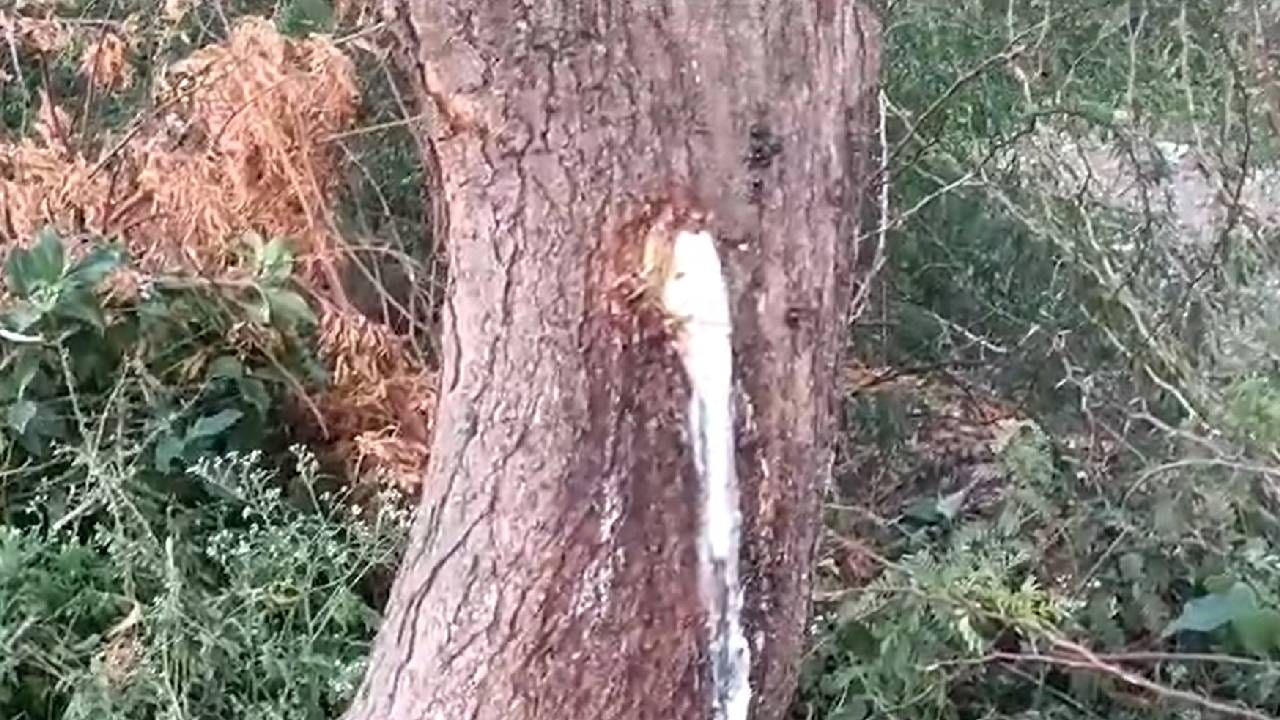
{"x": 696, "y": 294}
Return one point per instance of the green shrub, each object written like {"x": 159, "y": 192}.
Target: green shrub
{"x": 157, "y": 557}
{"x": 968, "y": 611}
{"x": 247, "y": 607}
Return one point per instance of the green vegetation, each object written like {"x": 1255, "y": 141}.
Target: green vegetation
{"x": 172, "y": 543}
{"x": 1116, "y": 556}
{"x": 162, "y": 551}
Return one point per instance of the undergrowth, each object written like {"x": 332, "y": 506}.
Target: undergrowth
{"x": 158, "y": 556}
{"x": 209, "y": 388}
{"x": 253, "y": 605}
{"x": 1059, "y": 496}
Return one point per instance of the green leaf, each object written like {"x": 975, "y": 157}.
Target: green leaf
{"x": 1100, "y": 614}
{"x": 855, "y": 637}
{"x": 924, "y": 510}
{"x": 258, "y": 309}
{"x": 275, "y": 261}
{"x": 1219, "y": 583}
{"x": 211, "y": 425}
{"x": 20, "y": 414}
{"x": 834, "y": 684}
{"x": 300, "y": 17}
{"x": 937, "y": 510}
{"x": 47, "y": 425}
{"x": 254, "y": 392}
{"x": 25, "y": 369}
{"x": 1258, "y": 631}
{"x": 950, "y": 505}
{"x": 96, "y": 266}
{"x": 18, "y": 274}
{"x": 82, "y": 305}
{"x": 226, "y": 366}
{"x": 1131, "y": 566}
{"x": 1153, "y": 612}
{"x": 21, "y": 317}
{"x": 48, "y": 259}
{"x": 288, "y": 308}
{"x": 168, "y": 448}
{"x": 1210, "y": 612}
{"x": 13, "y": 553}
{"x": 40, "y": 265}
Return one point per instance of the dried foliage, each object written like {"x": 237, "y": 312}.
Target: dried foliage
{"x": 356, "y": 12}
{"x": 238, "y": 142}
{"x": 106, "y": 64}
{"x": 38, "y": 35}
{"x": 380, "y": 403}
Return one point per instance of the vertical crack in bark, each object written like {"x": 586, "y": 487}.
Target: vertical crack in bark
{"x": 413, "y": 614}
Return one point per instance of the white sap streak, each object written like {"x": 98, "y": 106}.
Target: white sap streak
{"x": 697, "y": 295}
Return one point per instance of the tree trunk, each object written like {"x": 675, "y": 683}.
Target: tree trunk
{"x": 552, "y": 569}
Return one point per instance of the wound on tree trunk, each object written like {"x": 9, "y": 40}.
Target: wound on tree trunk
{"x": 553, "y": 566}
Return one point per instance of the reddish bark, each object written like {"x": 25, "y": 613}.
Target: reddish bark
{"x": 551, "y": 570}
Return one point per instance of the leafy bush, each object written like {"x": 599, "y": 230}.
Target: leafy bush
{"x": 988, "y": 613}
{"x": 182, "y": 369}
{"x": 152, "y": 563}
{"x": 248, "y": 607}
{"x": 167, "y": 547}
{"x": 1082, "y": 239}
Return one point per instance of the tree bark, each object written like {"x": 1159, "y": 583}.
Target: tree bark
{"x": 551, "y": 569}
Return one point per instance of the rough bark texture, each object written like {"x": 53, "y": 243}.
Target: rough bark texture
{"x": 551, "y": 571}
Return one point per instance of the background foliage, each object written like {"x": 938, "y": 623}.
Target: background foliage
{"x": 1059, "y": 490}
{"x": 200, "y": 496}
{"x": 163, "y": 551}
